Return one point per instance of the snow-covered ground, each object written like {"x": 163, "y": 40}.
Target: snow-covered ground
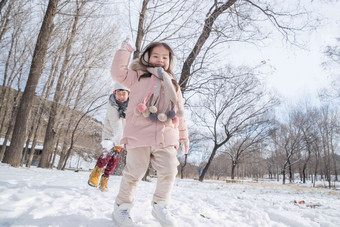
{"x": 42, "y": 197}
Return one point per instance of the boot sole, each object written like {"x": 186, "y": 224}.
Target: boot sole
{"x": 162, "y": 224}
{"x": 122, "y": 225}
{"x": 91, "y": 184}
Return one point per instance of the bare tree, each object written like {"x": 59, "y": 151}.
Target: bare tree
{"x": 39, "y": 114}
{"x": 307, "y": 122}
{"x": 83, "y": 74}
{"x": 214, "y": 12}
{"x": 140, "y": 29}
{"x": 228, "y": 106}
{"x": 14, "y": 111}
{"x": 51, "y": 130}
{"x": 15, "y": 52}
{"x": 242, "y": 23}
{"x": 289, "y": 143}
{"x": 90, "y": 109}
{"x": 247, "y": 142}
{"x": 13, "y": 155}
{"x": 329, "y": 126}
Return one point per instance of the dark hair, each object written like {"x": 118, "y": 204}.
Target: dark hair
{"x": 148, "y": 51}
{"x": 122, "y": 90}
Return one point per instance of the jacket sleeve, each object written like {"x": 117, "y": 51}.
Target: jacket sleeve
{"x": 183, "y": 130}
{"x": 112, "y": 127}
{"x": 119, "y": 70}
{"x": 116, "y": 127}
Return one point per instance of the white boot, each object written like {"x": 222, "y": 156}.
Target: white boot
{"x": 121, "y": 214}
{"x": 161, "y": 212}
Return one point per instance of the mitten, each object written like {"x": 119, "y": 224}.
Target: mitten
{"x": 183, "y": 148}
{"x": 107, "y": 144}
{"x": 127, "y": 45}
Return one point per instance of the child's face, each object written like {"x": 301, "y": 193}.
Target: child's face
{"x": 121, "y": 95}
{"x": 160, "y": 57}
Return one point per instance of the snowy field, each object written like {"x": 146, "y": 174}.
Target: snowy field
{"x": 41, "y": 197}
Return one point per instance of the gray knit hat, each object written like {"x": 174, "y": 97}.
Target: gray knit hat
{"x": 117, "y": 86}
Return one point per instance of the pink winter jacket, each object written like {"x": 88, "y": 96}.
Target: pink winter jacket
{"x": 140, "y": 131}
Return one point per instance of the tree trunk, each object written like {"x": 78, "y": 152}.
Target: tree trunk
{"x": 35, "y": 138}
{"x": 334, "y": 161}
{"x": 205, "y": 169}
{"x": 71, "y": 120}
{"x": 4, "y": 146}
{"x": 13, "y": 155}
{"x": 291, "y": 175}
{"x": 10, "y": 127}
{"x": 304, "y": 173}
{"x": 54, "y": 154}
{"x": 209, "y": 21}
{"x": 233, "y": 165}
{"x": 29, "y": 138}
{"x": 50, "y": 130}
{"x": 24, "y": 155}
{"x": 182, "y": 167}
{"x": 304, "y": 168}
{"x": 284, "y": 176}
{"x": 140, "y": 32}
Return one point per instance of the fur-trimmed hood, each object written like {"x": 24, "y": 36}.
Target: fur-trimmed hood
{"x": 137, "y": 66}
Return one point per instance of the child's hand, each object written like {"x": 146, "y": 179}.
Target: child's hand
{"x": 127, "y": 45}
{"x": 107, "y": 144}
{"x": 180, "y": 150}
{"x": 183, "y": 148}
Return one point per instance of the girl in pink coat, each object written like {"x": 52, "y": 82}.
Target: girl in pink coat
{"x": 155, "y": 127}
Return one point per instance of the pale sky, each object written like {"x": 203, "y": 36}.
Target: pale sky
{"x": 297, "y": 72}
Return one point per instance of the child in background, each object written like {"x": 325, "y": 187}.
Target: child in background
{"x": 112, "y": 133}
{"x": 155, "y": 127}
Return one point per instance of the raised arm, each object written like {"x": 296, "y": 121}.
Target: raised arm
{"x": 119, "y": 70}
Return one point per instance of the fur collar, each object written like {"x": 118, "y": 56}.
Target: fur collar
{"x": 136, "y": 66}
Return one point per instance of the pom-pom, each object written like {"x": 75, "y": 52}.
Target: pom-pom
{"x": 136, "y": 111}
{"x": 180, "y": 113}
{"x": 153, "y": 117}
{"x": 162, "y": 117}
{"x": 175, "y": 120}
{"x": 171, "y": 114}
{"x": 153, "y": 109}
{"x": 141, "y": 107}
{"x": 146, "y": 113}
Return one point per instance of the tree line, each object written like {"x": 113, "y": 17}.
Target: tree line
{"x": 301, "y": 147}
